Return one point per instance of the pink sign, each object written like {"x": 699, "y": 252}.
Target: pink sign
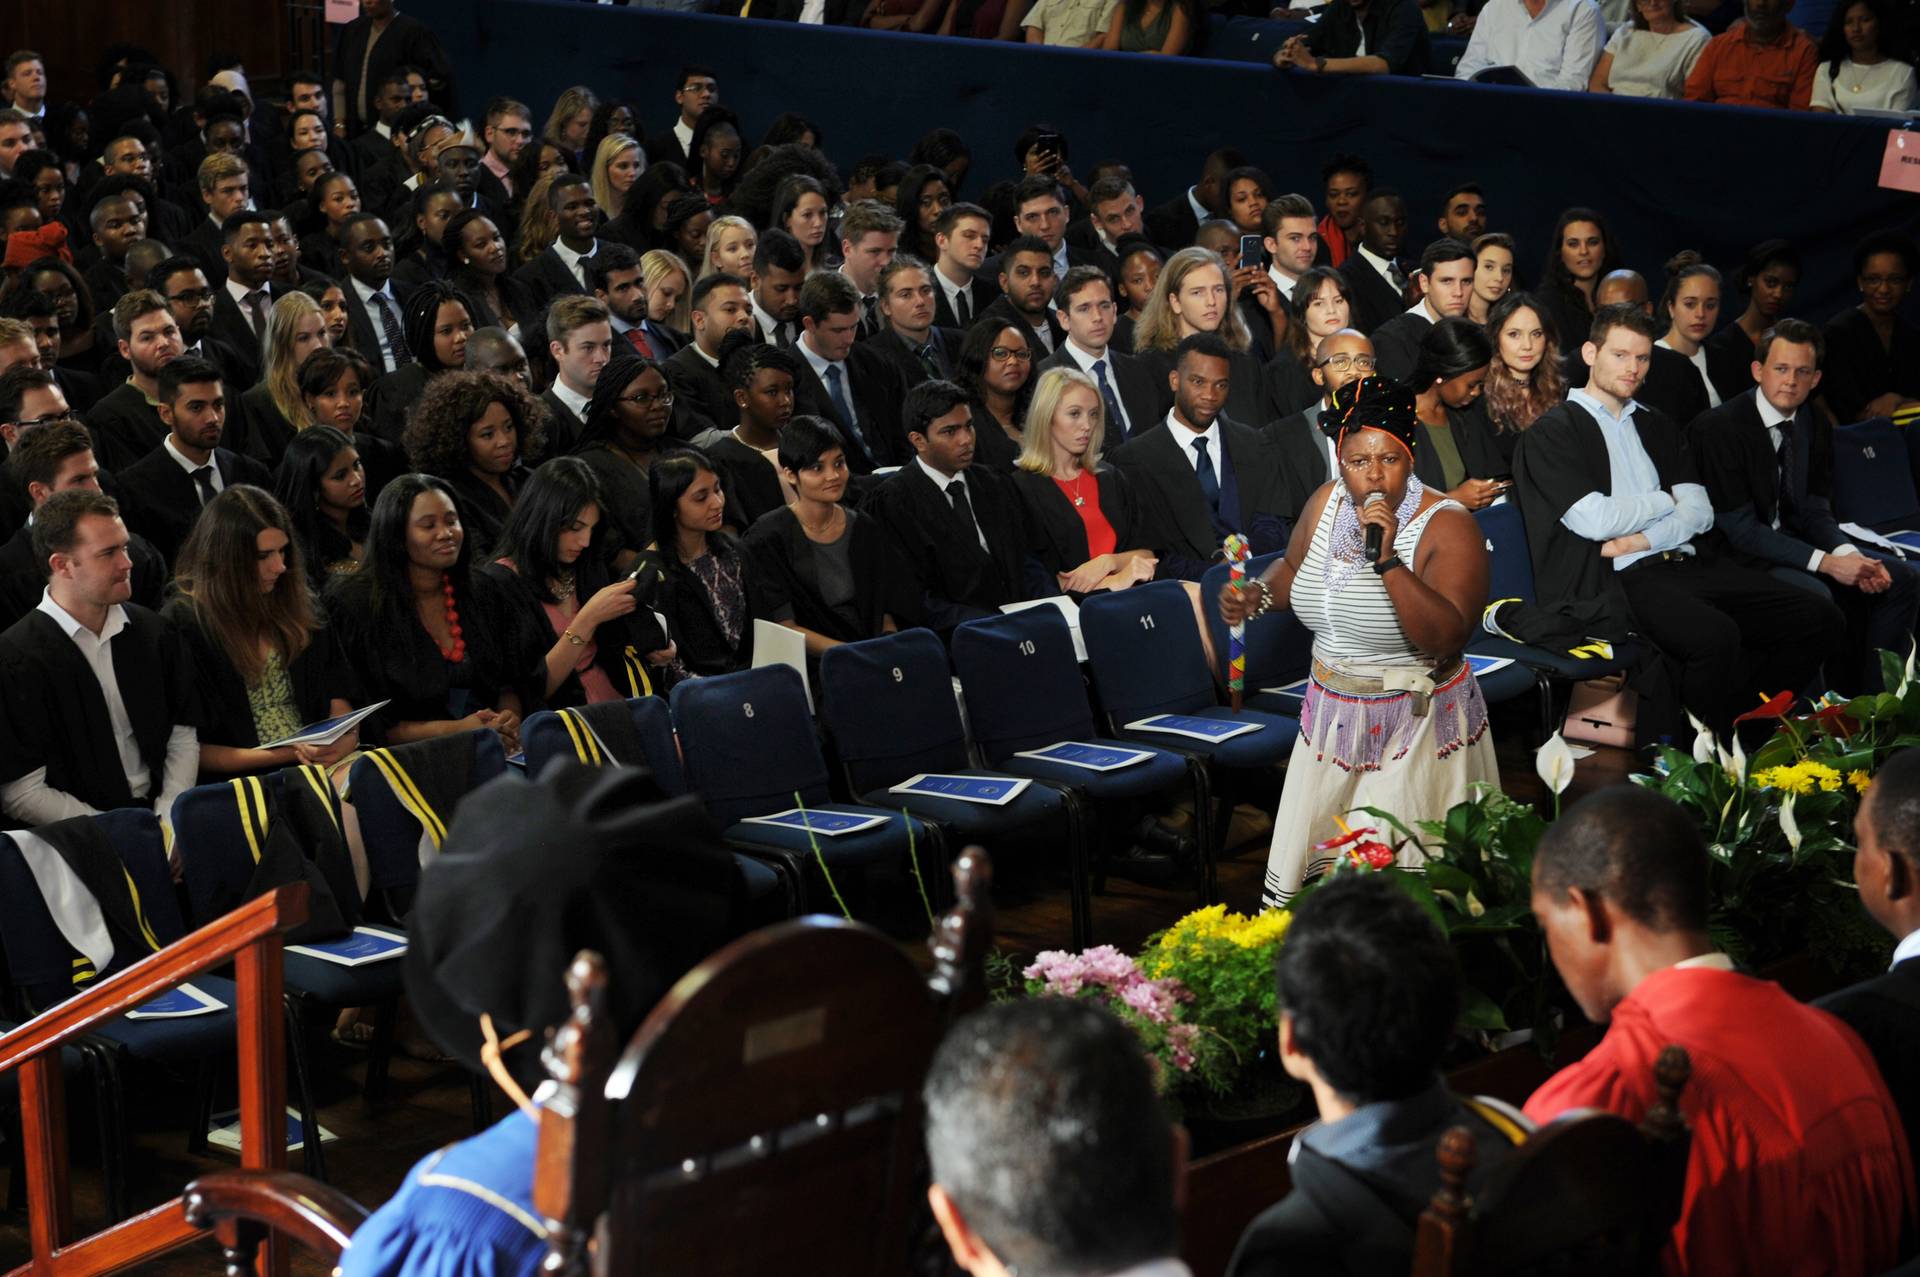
{"x": 1900, "y": 166}
{"x": 342, "y": 10}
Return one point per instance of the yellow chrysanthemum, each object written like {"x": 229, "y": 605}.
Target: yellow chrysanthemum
{"x": 1859, "y": 780}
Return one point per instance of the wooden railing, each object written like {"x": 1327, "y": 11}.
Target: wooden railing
{"x": 251, "y": 937}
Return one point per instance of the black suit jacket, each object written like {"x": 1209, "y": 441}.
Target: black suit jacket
{"x": 563, "y": 427}
{"x": 1735, "y": 459}
{"x": 363, "y": 330}
{"x": 1002, "y": 314}
{"x": 664, "y": 147}
{"x": 1375, "y": 299}
{"x": 125, "y": 427}
{"x": 981, "y": 293}
{"x": 1056, "y": 536}
{"x": 877, "y": 398}
{"x": 165, "y": 501}
{"x": 1304, "y": 465}
{"x": 548, "y": 277}
{"x": 82, "y": 389}
{"x": 1183, "y": 531}
{"x": 1172, "y": 225}
{"x": 956, "y": 579}
{"x": 204, "y": 243}
{"x": 701, "y": 398}
{"x": 1143, "y": 394}
{"x": 1885, "y": 1012}
{"x": 906, "y": 363}
{"x": 22, "y": 578}
{"x": 1673, "y": 386}
{"x": 231, "y": 329}
{"x": 1396, "y": 343}
{"x": 1473, "y": 437}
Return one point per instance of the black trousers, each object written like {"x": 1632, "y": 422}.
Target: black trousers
{"x": 1875, "y": 622}
{"x": 1733, "y": 634}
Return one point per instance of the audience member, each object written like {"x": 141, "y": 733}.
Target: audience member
{"x": 961, "y": 235}
{"x": 1761, "y": 60}
{"x": 508, "y": 131}
{"x": 1192, "y": 296}
{"x": 1149, "y": 26}
{"x": 695, "y": 89}
{"x": 1454, "y": 451}
{"x": 240, "y": 309}
{"x": 778, "y": 270}
{"x": 1361, "y": 37}
{"x": 1376, "y": 279}
{"x": 869, "y": 235}
{"x": 1798, "y": 1159}
{"x": 1131, "y": 395}
{"x": 1322, "y": 305}
{"x": 1369, "y": 992}
{"x": 997, "y": 370}
{"x": 694, "y": 574}
{"x": 1862, "y": 65}
{"x": 1691, "y": 307}
{"x": 1028, "y": 280}
{"x": 225, "y": 188}
{"x": 1291, "y": 241}
{"x": 25, "y": 84}
{"x": 373, "y": 304}
{"x": 918, "y": 350}
{"x": 617, "y": 163}
{"x": 760, "y": 380}
{"x": 848, "y": 382}
{"x": 492, "y": 350}
{"x": 1173, "y": 225}
{"x": 427, "y": 210}
{"x": 1526, "y": 377}
{"x": 322, "y": 484}
{"x": 580, "y": 340}
{"x": 1769, "y": 276}
{"x": 1583, "y": 250}
{"x": 562, "y": 267}
{"x": 668, "y": 283}
{"x": 1651, "y": 54}
{"x": 1447, "y": 268}
{"x": 435, "y": 322}
{"x": 731, "y": 241}
{"x": 620, "y": 284}
{"x": 1085, "y": 529}
{"x": 1493, "y": 258}
{"x": 268, "y": 415}
{"x": 476, "y": 432}
{"x": 800, "y": 206}
{"x": 1552, "y": 43}
{"x": 118, "y": 222}
{"x": 704, "y": 401}
{"x": 126, "y": 422}
{"x": 81, "y": 346}
{"x": 477, "y": 266}
{"x": 168, "y": 488}
{"x": 1116, "y": 211}
{"x": 1308, "y": 458}
{"x": 1873, "y": 352}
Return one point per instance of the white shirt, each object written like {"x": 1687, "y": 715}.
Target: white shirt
{"x": 366, "y": 296}
{"x": 1085, "y": 359}
{"x": 820, "y": 364}
{"x": 946, "y": 481}
{"x": 190, "y": 465}
{"x": 1285, "y": 283}
{"x": 238, "y": 291}
{"x": 1156, "y": 1268}
{"x": 953, "y": 291}
{"x": 1386, "y": 268}
{"x": 571, "y": 260}
{"x": 1186, "y": 435}
{"x": 1908, "y": 948}
{"x": 1200, "y": 212}
{"x": 1884, "y": 86}
{"x": 769, "y": 325}
{"x": 30, "y": 799}
{"x": 1637, "y": 502}
{"x": 711, "y": 361}
{"x": 1715, "y": 961}
{"x": 1647, "y": 64}
{"x": 1556, "y": 50}
{"x": 576, "y": 403}
{"x": 1699, "y": 361}
{"x": 684, "y": 131}
{"x": 1771, "y": 417}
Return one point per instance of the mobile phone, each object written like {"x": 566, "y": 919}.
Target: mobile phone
{"x": 1049, "y": 144}
{"x": 1251, "y": 251}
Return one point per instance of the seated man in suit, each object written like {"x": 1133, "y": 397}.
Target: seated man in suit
{"x": 581, "y": 341}
{"x": 1447, "y": 266}
{"x": 190, "y": 297}
{"x": 391, "y": 96}
{"x": 1369, "y": 991}
{"x": 1027, "y": 282}
{"x": 779, "y": 268}
{"x": 869, "y": 234}
{"x": 494, "y": 349}
{"x": 1172, "y": 225}
{"x": 918, "y": 350}
{"x": 118, "y": 222}
{"x": 698, "y": 88}
{"x": 956, "y": 525}
{"x": 621, "y": 286}
{"x": 1202, "y": 476}
{"x": 962, "y": 292}
{"x": 96, "y": 692}
{"x": 562, "y": 268}
{"x": 1135, "y": 401}
{"x": 1039, "y": 212}
{"x": 1614, "y": 509}
{"x": 1378, "y": 281}
{"x": 226, "y": 188}
{"x": 1308, "y": 459}
{"x": 1021, "y": 1181}
{"x": 845, "y": 381}
{"x": 126, "y": 422}
{"x": 46, "y": 459}
{"x": 374, "y": 325}
{"x": 1115, "y": 211}
{"x": 1885, "y": 1010}
{"x": 167, "y": 488}
{"x": 1799, "y": 1163}
{"x": 242, "y": 305}
{"x": 1766, "y": 458}
{"x": 703, "y": 399}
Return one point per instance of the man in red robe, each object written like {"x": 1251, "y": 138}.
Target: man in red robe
{"x": 1799, "y": 1162}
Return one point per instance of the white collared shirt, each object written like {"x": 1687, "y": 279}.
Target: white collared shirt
{"x": 366, "y": 296}
{"x": 571, "y": 260}
{"x": 1185, "y": 436}
{"x": 383, "y": 129}
{"x": 1715, "y": 961}
{"x": 820, "y": 364}
{"x": 953, "y": 291}
{"x": 576, "y": 403}
{"x": 1907, "y": 948}
{"x": 1085, "y": 359}
{"x": 1699, "y": 361}
{"x": 1636, "y": 502}
{"x": 1285, "y": 283}
{"x": 190, "y": 465}
{"x": 1556, "y": 50}
{"x": 1379, "y": 263}
{"x": 684, "y": 131}
{"x": 1771, "y": 417}
{"x": 1200, "y": 213}
{"x": 771, "y": 326}
{"x": 945, "y": 482}
{"x": 98, "y": 649}
{"x": 711, "y": 360}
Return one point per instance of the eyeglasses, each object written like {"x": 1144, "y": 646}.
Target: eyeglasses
{"x": 1341, "y": 363}
{"x": 1385, "y": 460}
{"x": 647, "y": 399}
{"x": 192, "y": 297}
{"x": 1883, "y": 281}
{"x": 1002, "y": 354}
{"x": 34, "y": 423}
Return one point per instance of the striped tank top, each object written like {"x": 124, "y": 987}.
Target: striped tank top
{"x": 1357, "y": 625}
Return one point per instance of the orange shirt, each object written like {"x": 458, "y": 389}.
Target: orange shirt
{"x": 1735, "y": 70}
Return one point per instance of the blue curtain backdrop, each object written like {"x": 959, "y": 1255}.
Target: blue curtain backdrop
{"x": 1667, "y": 175}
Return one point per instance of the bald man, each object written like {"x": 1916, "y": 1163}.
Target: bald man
{"x": 1306, "y": 455}
{"x": 1616, "y": 286}
{"x": 493, "y": 349}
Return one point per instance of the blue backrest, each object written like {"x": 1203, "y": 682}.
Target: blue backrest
{"x": 545, "y": 737}
{"x": 888, "y": 702}
{"x": 389, "y": 830}
{"x": 749, "y": 742}
{"x": 216, "y": 860}
{"x": 1509, "y": 564}
{"x": 1144, "y": 647}
{"x": 1022, "y": 681}
{"x": 1279, "y": 648}
{"x": 1872, "y": 477}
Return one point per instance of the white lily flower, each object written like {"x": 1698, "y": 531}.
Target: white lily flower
{"x": 1553, "y": 762}
{"x": 1736, "y": 764}
{"x": 1705, "y": 747}
{"x": 1789, "y": 826}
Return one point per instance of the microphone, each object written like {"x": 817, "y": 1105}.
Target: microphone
{"x": 1373, "y": 529}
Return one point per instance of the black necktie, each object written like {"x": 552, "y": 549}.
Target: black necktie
{"x": 390, "y": 325}
{"x": 203, "y": 479}
{"x": 963, "y": 306}
{"x": 869, "y": 316}
{"x": 957, "y": 493}
{"x": 585, "y": 269}
{"x": 1203, "y": 470}
{"x": 1786, "y": 500}
{"x": 257, "y": 312}
{"x": 927, "y": 361}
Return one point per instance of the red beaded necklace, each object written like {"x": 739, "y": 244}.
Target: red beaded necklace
{"x": 458, "y": 652}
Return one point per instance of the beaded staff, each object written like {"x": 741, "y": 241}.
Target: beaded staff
{"x": 1236, "y": 551}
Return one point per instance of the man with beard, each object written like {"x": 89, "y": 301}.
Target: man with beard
{"x": 918, "y": 350}
{"x": 779, "y": 268}
{"x": 373, "y": 309}
{"x": 703, "y": 400}
{"x": 621, "y": 287}
{"x": 167, "y": 488}
{"x": 126, "y": 423}
{"x": 562, "y": 268}
{"x": 961, "y": 235}
{"x": 1027, "y": 281}
{"x": 1373, "y": 273}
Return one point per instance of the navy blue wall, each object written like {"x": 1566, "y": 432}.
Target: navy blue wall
{"x": 1668, "y": 175}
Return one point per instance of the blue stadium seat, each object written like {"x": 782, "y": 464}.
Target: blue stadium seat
{"x": 1279, "y": 650}
{"x": 1873, "y": 478}
{"x": 392, "y": 834}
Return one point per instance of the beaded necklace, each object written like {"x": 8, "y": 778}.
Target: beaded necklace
{"x": 458, "y": 651}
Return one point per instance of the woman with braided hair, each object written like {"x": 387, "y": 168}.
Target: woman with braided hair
{"x": 1390, "y": 576}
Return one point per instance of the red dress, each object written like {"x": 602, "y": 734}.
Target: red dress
{"x": 1083, "y": 491}
{"x": 1800, "y": 1164}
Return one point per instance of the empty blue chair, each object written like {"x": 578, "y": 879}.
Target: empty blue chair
{"x": 1279, "y": 650}
{"x": 1873, "y": 480}
{"x": 388, "y": 825}
{"x": 749, "y": 746}
{"x": 552, "y": 734}
{"x": 1024, "y": 692}
{"x": 888, "y": 704}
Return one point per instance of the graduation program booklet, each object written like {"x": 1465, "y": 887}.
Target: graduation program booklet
{"x": 225, "y": 1131}
{"x": 176, "y": 1004}
{"x": 366, "y": 944}
{"x": 831, "y": 823}
{"x": 1192, "y": 726}
{"x": 1095, "y": 758}
{"x": 327, "y": 730}
{"x": 994, "y": 791}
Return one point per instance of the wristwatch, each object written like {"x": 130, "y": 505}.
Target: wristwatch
{"x": 1387, "y": 565}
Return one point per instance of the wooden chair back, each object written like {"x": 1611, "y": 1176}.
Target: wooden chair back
{"x": 1588, "y": 1193}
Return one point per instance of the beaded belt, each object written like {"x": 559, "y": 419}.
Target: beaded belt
{"x": 1419, "y": 684}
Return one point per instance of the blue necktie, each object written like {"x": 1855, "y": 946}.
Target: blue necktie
{"x": 837, "y": 393}
{"x": 1203, "y": 470}
{"x": 1115, "y": 421}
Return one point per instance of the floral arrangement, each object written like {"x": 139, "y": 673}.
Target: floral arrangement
{"x": 1154, "y": 1008}
{"x": 1225, "y": 961}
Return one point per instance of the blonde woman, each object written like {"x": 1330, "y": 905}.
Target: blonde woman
{"x": 272, "y": 412}
{"x": 730, "y": 244}
{"x": 1194, "y": 294}
{"x": 1084, "y": 523}
{"x": 571, "y": 119}
{"x": 539, "y": 226}
{"x": 668, "y": 284}
{"x": 616, "y": 165}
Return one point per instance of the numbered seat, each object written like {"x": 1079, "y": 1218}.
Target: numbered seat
{"x": 1279, "y": 650}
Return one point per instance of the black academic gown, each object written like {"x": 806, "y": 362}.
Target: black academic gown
{"x": 784, "y": 562}
{"x": 547, "y": 277}
{"x": 1396, "y": 343}
{"x": 956, "y": 579}
{"x": 1305, "y": 463}
{"x": 670, "y": 588}
{"x": 1142, "y": 390}
{"x": 1246, "y": 393}
{"x": 1002, "y": 314}
{"x": 165, "y": 501}
{"x": 1289, "y": 387}
{"x": 702, "y": 399}
{"x": 1858, "y": 369}
{"x": 1057, "y": 539}
{"x": 1375, "y": 299}
{"x": 1673, "y": 386}
{"x": 981, "y": 293}
{"x": 753, "y": 487}
{"x": 125, "y": 427}
{"x": 1885, "y": 1012}
{"x": 878, "y": 397}
{"x": 619, "y": 643}
{"x": 907, "y": 365}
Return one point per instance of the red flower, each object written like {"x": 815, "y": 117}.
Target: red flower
{"x": 1834, "y": 719}
{"x": 1775, "y": 708}
{"x": 1352, "y": 835}
{"x": 1378, "y": 855}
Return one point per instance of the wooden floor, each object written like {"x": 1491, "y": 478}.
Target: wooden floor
{"x": 428, "y": 1104}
